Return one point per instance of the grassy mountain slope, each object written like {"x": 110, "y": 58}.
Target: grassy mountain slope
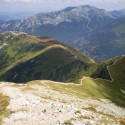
{"x": 111, "y": 37}
{"x": 113, "y": 89}
{"x": 4, "y": 102}
{"x": 25, "y": 58}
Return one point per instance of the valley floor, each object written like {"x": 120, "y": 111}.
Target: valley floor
{"x": 39, "y": 104}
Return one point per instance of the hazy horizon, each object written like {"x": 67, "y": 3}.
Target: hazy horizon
{"x": 36, "y": 6}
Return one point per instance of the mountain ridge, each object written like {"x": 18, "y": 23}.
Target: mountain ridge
{"x": 39, "y": 55}
{"x": 47, "y": 59}
{"x": 65, "y": 25}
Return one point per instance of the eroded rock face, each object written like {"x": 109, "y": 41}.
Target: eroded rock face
{"x": 34, "y": 104}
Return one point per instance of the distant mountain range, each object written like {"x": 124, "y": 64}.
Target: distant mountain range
{"x": 105, "y": 42}
{"x": 118, "y": 13}
{"x": 65, "y": 25}
{"x": 4, "y": 17}
{"x": 74, "y": 26}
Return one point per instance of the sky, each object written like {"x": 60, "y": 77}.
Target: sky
{"x": 15, "y": 6}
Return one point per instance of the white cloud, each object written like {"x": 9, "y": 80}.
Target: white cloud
{"x": 14, "y": 1}
{"x": 63, "y": 1}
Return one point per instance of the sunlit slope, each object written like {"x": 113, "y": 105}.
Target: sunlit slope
{"x": 25, "y": 58}
{"x": 98, "y": 88}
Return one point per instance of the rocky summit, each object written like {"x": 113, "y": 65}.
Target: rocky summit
{"x": 38, "y": 103}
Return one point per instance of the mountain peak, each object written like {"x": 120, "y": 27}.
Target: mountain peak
{"x": 84, "y": 7}
{"x": 68, "y": 9}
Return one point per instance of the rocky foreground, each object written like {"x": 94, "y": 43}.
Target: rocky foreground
{"x": 39, "y": 104}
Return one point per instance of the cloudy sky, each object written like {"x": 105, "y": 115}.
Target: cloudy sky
{"x": 52, "y": 5}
